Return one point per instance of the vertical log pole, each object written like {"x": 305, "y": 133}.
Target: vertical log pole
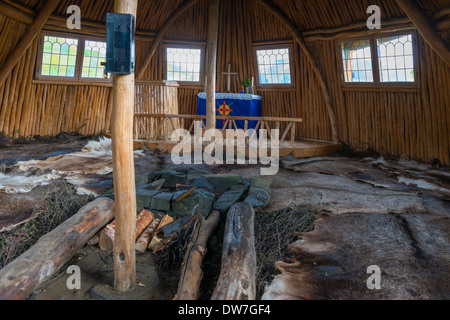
{"x": 211, "y": 68}
{"x": 123, "y": 166}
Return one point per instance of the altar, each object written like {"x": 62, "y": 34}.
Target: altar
{"x": 234, "y": 105}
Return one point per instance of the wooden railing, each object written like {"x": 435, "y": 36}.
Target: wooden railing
{"x": 159, "y": 127}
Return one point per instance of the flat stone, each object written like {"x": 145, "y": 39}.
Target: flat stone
{"x": 229, "y": 198}
{"x": 195, "y": 173}
{"x": 155, "y": 185}
{"x": 141, "y": 179}
{"x": 203, "y": 183}
{"x": 223, "y": 182}
{"x": 144, "y": 198}
{"x": 261, "y": 183}
{"x": 171, "y": 177}
{"x": 204, "y": 199}
{"x": 161, "y": 201}
{"x": 257, "y": 197}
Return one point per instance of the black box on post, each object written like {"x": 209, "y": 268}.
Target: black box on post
{"x": 120, "y": 45}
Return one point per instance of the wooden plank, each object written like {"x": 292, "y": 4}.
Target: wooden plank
{"x": 238, "y": 118}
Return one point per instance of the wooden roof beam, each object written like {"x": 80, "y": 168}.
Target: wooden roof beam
{"x": 160, "y": 35}
{"x": 426, "y": 28}
{"x": 301, "y": 41}
{"x": 27, "y": 39}
{"x": 15, "y": 13}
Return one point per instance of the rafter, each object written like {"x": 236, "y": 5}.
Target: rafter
{"x": 160, "y": 35}
{"x": 301, "y": 41}
{"x": 425, "y": 28}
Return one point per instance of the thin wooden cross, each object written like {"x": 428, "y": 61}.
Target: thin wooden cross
{"x": 229, "y": 74}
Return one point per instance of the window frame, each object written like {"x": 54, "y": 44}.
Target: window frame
{"x": 180, "y": 45}
{"x": 267, "y": 46}
{"x": 79, "y": 60}
{"x": 377, "y": 83}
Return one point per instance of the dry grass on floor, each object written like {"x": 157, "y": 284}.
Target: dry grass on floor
{"x": 274, "y": 232}
{"x": 63, "y": 203}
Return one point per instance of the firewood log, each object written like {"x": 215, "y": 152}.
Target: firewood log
{"x": 106, "y": 241}
{"x": 147, "y": 236}
{"x": 191, "y": 272}
{"x": 39, "y": 263}
{"x": 237, "y": 280}
{"x": 168, "y": 233}
{"x": 156, "y": 240}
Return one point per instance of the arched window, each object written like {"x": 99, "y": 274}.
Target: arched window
{"x": 74, "y": 58}
{"x": 274, "y": 65}
{"x": 183, "y": 63}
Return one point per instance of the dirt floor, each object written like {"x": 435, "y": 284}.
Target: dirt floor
{"x": 393, "y": 214}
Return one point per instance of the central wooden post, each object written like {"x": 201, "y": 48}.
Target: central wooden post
{"x": 123, "y": 165}
{"x": 211, "y": 68}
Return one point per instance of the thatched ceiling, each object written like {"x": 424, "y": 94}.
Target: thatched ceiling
{"x": 307, "y": 14}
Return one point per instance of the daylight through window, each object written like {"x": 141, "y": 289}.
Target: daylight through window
{"x": 73, "y": 58}
{"x": 396, "y": 59}
{"x": 357, "y": 59}
{"x": 393, "y": 61}
{"x": 94, "y": 55}
{"x": 274, "y": 66}
{"x": 59, "y": 56}
{"x": 183, "y": 64}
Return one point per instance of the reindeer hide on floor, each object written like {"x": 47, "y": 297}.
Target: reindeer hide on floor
{"x": 331, "y": 262}
{"x": 85, "y": 169}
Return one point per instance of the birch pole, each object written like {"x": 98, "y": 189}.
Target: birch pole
{"x": 123, "y": 166}
{"x": 211, "y": 68}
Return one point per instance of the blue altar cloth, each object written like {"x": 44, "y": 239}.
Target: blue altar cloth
{"x": 242, "y": 105}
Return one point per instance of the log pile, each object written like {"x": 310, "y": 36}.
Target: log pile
{"x": 237, "y": 280}
{"x": 143, "y": 220}
{"x": 180, "y": 245}
{"x": 157, "y": 239}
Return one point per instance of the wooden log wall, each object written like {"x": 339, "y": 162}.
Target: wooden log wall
{"x": 29, "y": 108}
{"x": 155, "y": 97}
{"x": 415, "y": 123}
